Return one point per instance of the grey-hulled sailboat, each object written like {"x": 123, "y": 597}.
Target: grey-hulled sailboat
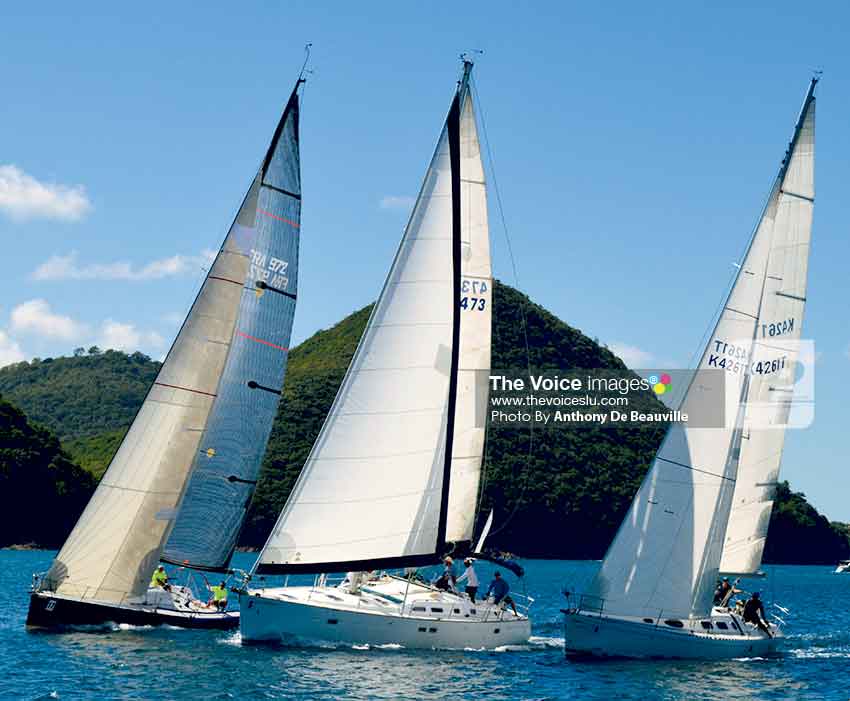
{"x": 178, "y": 488}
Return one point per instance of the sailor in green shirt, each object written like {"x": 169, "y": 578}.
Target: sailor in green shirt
{"x": 159, "y": 578}
{"x": 219, "y": 599}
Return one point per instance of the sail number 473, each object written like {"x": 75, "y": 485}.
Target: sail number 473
{"x": 472, "y": 295}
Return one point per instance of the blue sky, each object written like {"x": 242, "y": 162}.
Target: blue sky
{"x": 633, "y": 142}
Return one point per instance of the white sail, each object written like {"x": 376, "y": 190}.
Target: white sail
{"x": 475, "y": 334}
{"x": 117, "y": 541}
{"x": 373, "y": 491}
{"x": 778, "y": 334}
{"x": 665, "y": 557}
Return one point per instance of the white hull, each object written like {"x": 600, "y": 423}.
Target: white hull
{"x": 843, "y": 566}
{"x": 379, "y": 615}
{"x": 587, "y": 633}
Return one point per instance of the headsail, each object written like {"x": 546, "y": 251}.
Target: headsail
{"x": 377, "y": 487}
{"x": 666, "y": 555}
{"x": 778, "y": 334}
{"x": 227, "y": 465}
{"x": 120, "y": 536}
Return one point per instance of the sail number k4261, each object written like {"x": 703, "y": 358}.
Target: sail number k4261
{"x": 779, "y": 328}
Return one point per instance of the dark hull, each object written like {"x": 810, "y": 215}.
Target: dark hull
{"x": 49, "y": 612}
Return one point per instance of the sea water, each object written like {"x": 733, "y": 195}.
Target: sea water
{"x": 124, "y": 662}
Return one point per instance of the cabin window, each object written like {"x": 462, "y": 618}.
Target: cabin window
{"x": 457, "y": 610}
{"x": 472, "y": 611}
{"x": 496, "y": 630}
{"x": 706, "y": 624}
{"x": 418, "y": 608}
{"x": 722, "y": 626}
{"x": 432, "y": 630}
{"x": 421, "y": 630}
{"x": 737, "y": 627}
{"x": 435, "y": 609}
{"x": 333, "y": 621}
{"x": 674, "y": 623}
{"x": 648, "y": 620}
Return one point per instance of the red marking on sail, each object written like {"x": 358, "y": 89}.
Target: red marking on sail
{"x": 260, "y": 340}
{"x": 274, "y": 216}
{"x": 225, "y": 279}
{"x": 185, "y": 389}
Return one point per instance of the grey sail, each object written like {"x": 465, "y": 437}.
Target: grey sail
{"x": 121, "y": 535}
{"x": 227, "y": 462}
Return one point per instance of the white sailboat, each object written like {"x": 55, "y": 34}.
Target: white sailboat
{"x": 178, "y": 487}
{"x": 704, "y": 505}
{"x": 392, "y": 479}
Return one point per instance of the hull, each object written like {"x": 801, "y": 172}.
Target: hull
{"x": 299, "y": 614}
{"x": 589, "y": 634}
{"x": 51, "y": 612}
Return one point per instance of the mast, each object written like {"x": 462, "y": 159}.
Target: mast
{"x": 375, "y": 490}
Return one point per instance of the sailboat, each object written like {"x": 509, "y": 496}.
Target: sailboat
{"x": 178, "y": 488}
{"x": 704, "y": 504}
{"x": 392, "y": 479}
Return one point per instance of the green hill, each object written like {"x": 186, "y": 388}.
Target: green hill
{"x": 80, "y": 396}
{"x": 41, "y": 491}
{"x": 562, "y": 496}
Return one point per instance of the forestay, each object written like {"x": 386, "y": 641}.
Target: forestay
{"x": 118, "y": 540}
{"x": 665, "y": 557}
{"x": 227, "y": 465}
{"x": 375, "y": 489}
{"x": 778, "y": 334}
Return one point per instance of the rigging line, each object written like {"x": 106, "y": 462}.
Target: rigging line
{"x": 522, "y": 308}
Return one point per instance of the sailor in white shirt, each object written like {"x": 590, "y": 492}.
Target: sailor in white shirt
{"x": 471, "y": 578}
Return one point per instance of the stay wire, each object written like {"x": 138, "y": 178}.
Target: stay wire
{"x": 522, "y": 310}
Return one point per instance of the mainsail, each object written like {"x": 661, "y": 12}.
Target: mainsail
{"x": 234, "y": 442}
{"x": 393, "y": 475}
{"x": 780, "y": 324}
{"x": 217, "y": 391}
{"x": 666, "y": 555}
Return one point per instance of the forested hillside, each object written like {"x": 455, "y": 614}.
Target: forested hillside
{"x": 562, "y": 495}
{"x": 41, "y": 491}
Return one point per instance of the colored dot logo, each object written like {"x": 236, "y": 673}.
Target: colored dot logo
{"x": 660, "y": 383}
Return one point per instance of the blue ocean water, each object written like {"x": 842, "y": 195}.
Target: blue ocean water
{"x": 166, "y": 663}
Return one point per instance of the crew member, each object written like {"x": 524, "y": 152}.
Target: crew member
{"x": 446, "y": 579}
{"x": 219, "y": 599}
{"x": 754, "y": 613}
{"x": 500, "y": 588}
{"x": 159, "y": 578}
{"x": 471, "y": 577}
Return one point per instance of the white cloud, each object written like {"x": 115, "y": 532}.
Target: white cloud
{"x": 68, "y": 268}
{"x": 10, "y": 351}
{"x": 127, "y": 337}
{"x": 397, "y": 202}
{"x": 36, "y": 317}
{"x": 632, "y": 356}
{"x": 24, "y": 197}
